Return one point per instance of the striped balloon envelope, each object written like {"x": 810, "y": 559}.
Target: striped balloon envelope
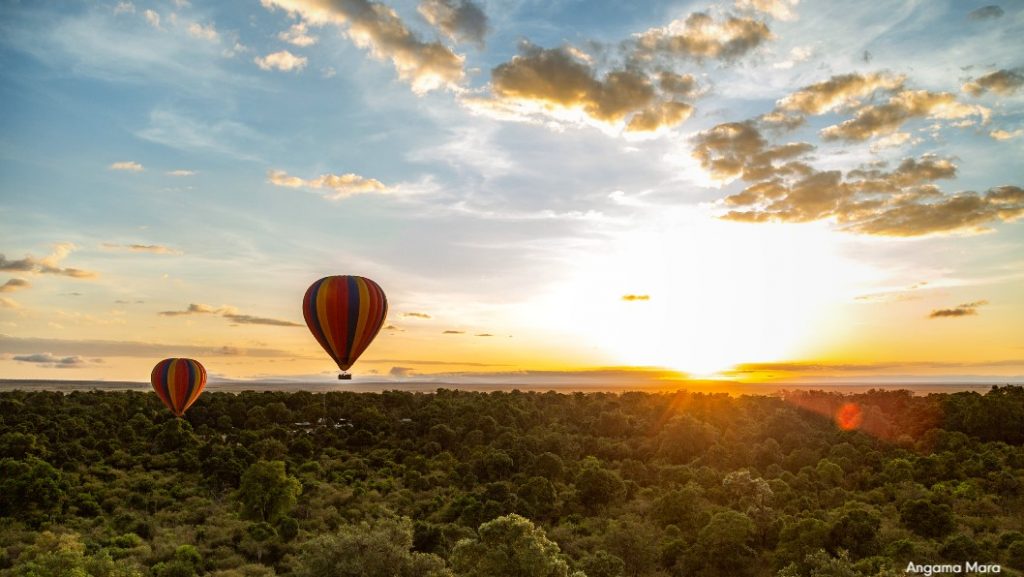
{"x": 344, "y": 313}
{"x": 178, "y": 383}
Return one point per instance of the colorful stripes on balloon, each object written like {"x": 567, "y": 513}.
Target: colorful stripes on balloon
{"x": 178, "y": 383}
{"x": 344, "y": 313}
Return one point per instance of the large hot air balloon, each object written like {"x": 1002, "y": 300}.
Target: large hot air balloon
{"x": 344, "y": 313}
{"x": 178, "y": 383}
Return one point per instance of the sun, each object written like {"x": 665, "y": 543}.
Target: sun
{"x": 700, "y": 295}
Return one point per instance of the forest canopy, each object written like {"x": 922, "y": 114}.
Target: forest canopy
{"x": 465, "y": 484}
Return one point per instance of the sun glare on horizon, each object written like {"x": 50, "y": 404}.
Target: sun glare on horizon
{"x": 700, "y": 295}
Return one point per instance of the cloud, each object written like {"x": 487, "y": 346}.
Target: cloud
{"x": 49, "y": 264}
{"x": 425, "y": 65}
{"x": 427, "y": 362}
{"x": 483, "y": 335}
{"x": 50, "y": 361}
{"x": 7, "y": 303}
{"x": 632, "y": 297}
{"x": 905, "y": 294}
{"x": 193, "y": 309}
{"x": 778, "y": 9}
{"x": 882, "y": 119}
{"x": 901, "y": 203}
{"x": 1000, "y": 134}
{"x": 700, "y": 37}
{"x": 894, "y": 140}
{"x": 910, "y": 172}
{"x": 14, "y": 284}
{"x": 797, "y": 54}
{"x": 100, "y": 348}
{"x": 1002, "y": 82}
{"x": 180, "y": 172}
{"x": 964, "y": 212}
{"x": 986, "y": 13}
{"x": 27, "y": 264}
{"x": 298, "y": 35}
{"x": 400, "y": 371}
{"x": 185, "y": 132}
{"x": 737, "y": 149}
{"x": 230, "y": 313}
{"x": 208, "y": 32}
{"x": 150, "y": 248}
{"x": 340, "y": 186}
{"x": 153, "y": 18}
{"x": 416, "y": 315}
{"x": 450, "y": 332}
{"x": 815, "y": 367}
{"x": 556, "y": 82}
{"x": 282, "y": 60}
{"x": 251, "y": 320}
{"x": 867, "y": 200}
{"x": 127, "y": 166}
{"x": 837, "y": 92}
{"x": 392, "y": 328}
{"x": 681, "y": 85}
{"x": 460, "y": 20}
{"x": 124, "y": 8}
{"x": 963, "y": 310}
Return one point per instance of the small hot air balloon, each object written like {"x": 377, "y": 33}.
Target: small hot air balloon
{"x": 344, "y": 313}
{"x": 178, "y": 383}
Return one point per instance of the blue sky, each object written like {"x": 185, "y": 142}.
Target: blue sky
{"x": 514, "y": 169}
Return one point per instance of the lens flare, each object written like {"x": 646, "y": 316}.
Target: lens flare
{"x": 849, "y": 417}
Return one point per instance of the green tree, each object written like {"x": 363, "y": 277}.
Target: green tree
{"x": 821, "y": 564}
{"x": 635, "y": 541}
{"x": 928, "y": 519}
{"x": 538, "y": 496}
{"x": 598, "y": 486}
{"x": 603, "y": 564}
{"x": 1015, "y": 555}
{"x": 509, "y": 546}
{"x": 267, "y": 491}
{"x": 30, "y": 489}
{"x": 53, "y": 555}
{"x": 855, "y": 531}
{"x": 18, "y": 445}
{"x": 187, "y": 562}
{"x": 960, "y": 548}
{"x": 381, "y": 549}
{"x": 723, "y": 545}
{"x": 259, "y": 535}
{"x": 175, "y": 435}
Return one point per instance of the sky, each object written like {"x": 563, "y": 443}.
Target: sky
{"x": 765, "y": 190}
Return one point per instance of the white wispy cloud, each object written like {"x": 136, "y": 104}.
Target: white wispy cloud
{"x": 228, "y": 312}
{"x": 184, "y": 131}
{"x": 127, "y": 166}
{"x": 378, "y": 28}
{"x": 298, "y": 34}
{"x": 207, "y": 32}
{"x": 282, "y": 60}
{"x": 153, "y": 18}
{"x": 144, "y": 248}
{"x": 50, "y": 264}
{"x": 339, "y": 185}
{"x": 1000, "y": 134}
